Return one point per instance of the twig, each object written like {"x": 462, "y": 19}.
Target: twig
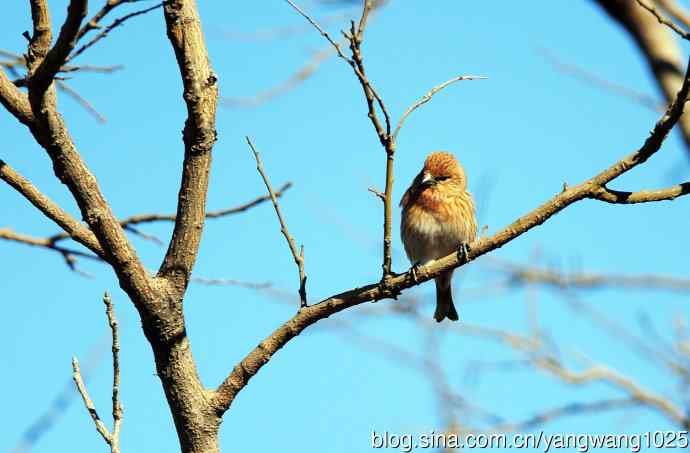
{"x": 378, "y": 193}
{"x": 94, "y": 22}
{"x": 117, "y": 405}
{"x": 294, "y": 80}
{"x": 118, "y": 22}
{"x": 599, "y": 373}
{"x": 81, "y": 101}
{"x": 519, "y": 274}
{"x": 677, "y": 11}
{"x": 112, "y": 439}
{"x": 320, "y": 30}
{"x": 662, "y": 20}
{"x": 427, "y": 97}
{"x": 642, "y": 196}
{"x": 297, "y": 255}
{"x": 231, "y": 282}
{"x": 571, "y": 409}
{"x": 590, "y": 78}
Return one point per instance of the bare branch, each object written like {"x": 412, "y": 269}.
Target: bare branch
{"x": 231, "y": 282}
{"x": 118, "y": 22}
{"x": 94, "y": 22}
{"x": 533, "y": 274}
{"x": 117, "y": 406}
{"x": 69, "y": 255}
{"x": 677, "y": 11}
{"x": 660, "y": 50}
{"x": 644, "y": 99}
{"x": 112, "y": 439}
{"x": 146, "y": 218}
{"x": 427, "y": 97}
{"x": 378, "y": 193}
{"x": 262, "y": 354}
{"x": 662, "y": 20}
{"x": 297, "y": 255}
{"x": 50, "y": 209}
{"x": 15, "y": 101}
{"x": 294, "y": 80}
{"x": 201, "y": 96}
{"x": 44, "y": 74}
{"x": 567, "y": 410}
{"x": 324, "y": 33}
{"x": 62, "y": 86}
{"x": 642, "y": 196}
{"x": 603, "y": 374}
{"x": 355, "y": 37}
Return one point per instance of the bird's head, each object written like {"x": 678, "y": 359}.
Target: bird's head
{"x": 441, "y": 169}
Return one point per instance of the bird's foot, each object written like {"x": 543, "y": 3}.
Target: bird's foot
{"x": 463, "y": 252}
{"x": 413, "y": 271}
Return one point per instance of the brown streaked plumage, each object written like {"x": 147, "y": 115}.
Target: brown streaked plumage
{"x": 437, "y": 219}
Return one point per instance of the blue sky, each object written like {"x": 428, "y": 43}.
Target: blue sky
{"x": 520, "y": 135}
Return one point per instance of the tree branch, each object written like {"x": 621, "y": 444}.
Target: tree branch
{"x": 43, "y": 76}
{"x": 51, "y": 133}
{"x": 258, "y": 357}
{"x": 662, "y": 20}
{"x": 15, "y": 101}
{"x": 50, "y": 209}
{"x": 201, "y": 96}
{"x": 642, "y": 196}
{"x": 118, "y": 22}
{"x": 112, "y": 439}
{"x": 518, "y": 273}
{"x": 659, "y": 49}
{"x": 297, "y": 255}
{"x": 427, "y": 97}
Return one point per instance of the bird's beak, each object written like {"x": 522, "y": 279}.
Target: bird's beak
{"x": 428, "y": 180}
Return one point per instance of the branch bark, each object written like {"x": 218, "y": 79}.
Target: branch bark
{"x": 201, "y": 96}
{"x": 259, "y": 356}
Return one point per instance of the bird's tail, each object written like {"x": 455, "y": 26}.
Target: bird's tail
{"x": 444, "y": 298}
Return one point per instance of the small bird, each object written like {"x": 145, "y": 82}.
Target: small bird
{"x": 438, "y": 219}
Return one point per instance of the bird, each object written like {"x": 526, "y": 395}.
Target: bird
{"x": 438, "y": 218}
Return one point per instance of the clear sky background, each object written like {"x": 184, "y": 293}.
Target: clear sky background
{"x": 520, "y": 135}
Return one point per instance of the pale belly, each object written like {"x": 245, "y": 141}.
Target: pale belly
{"x": 427, "y": 238}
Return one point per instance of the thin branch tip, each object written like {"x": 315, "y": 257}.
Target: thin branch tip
{"x": 297, "y": 255}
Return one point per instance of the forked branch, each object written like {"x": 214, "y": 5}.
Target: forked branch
{"x": 262, "y": 354}
{"x": 111, "y": 438}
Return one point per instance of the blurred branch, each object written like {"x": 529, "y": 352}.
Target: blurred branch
{"x": 600, "y": 373}
{"x": 568, "y": 410}
{"x": 676, "y": 11}
{"x": 60, "y": 403}
{"x": 590, "y": 78}
{"x": 301, "y": 75}
{"x": 658, "y": 47}
{"x": 527, "y": 274}
{"x": 305, "y": 71}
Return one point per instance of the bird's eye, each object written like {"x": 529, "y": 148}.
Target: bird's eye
{"x": 442, "y": 178}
